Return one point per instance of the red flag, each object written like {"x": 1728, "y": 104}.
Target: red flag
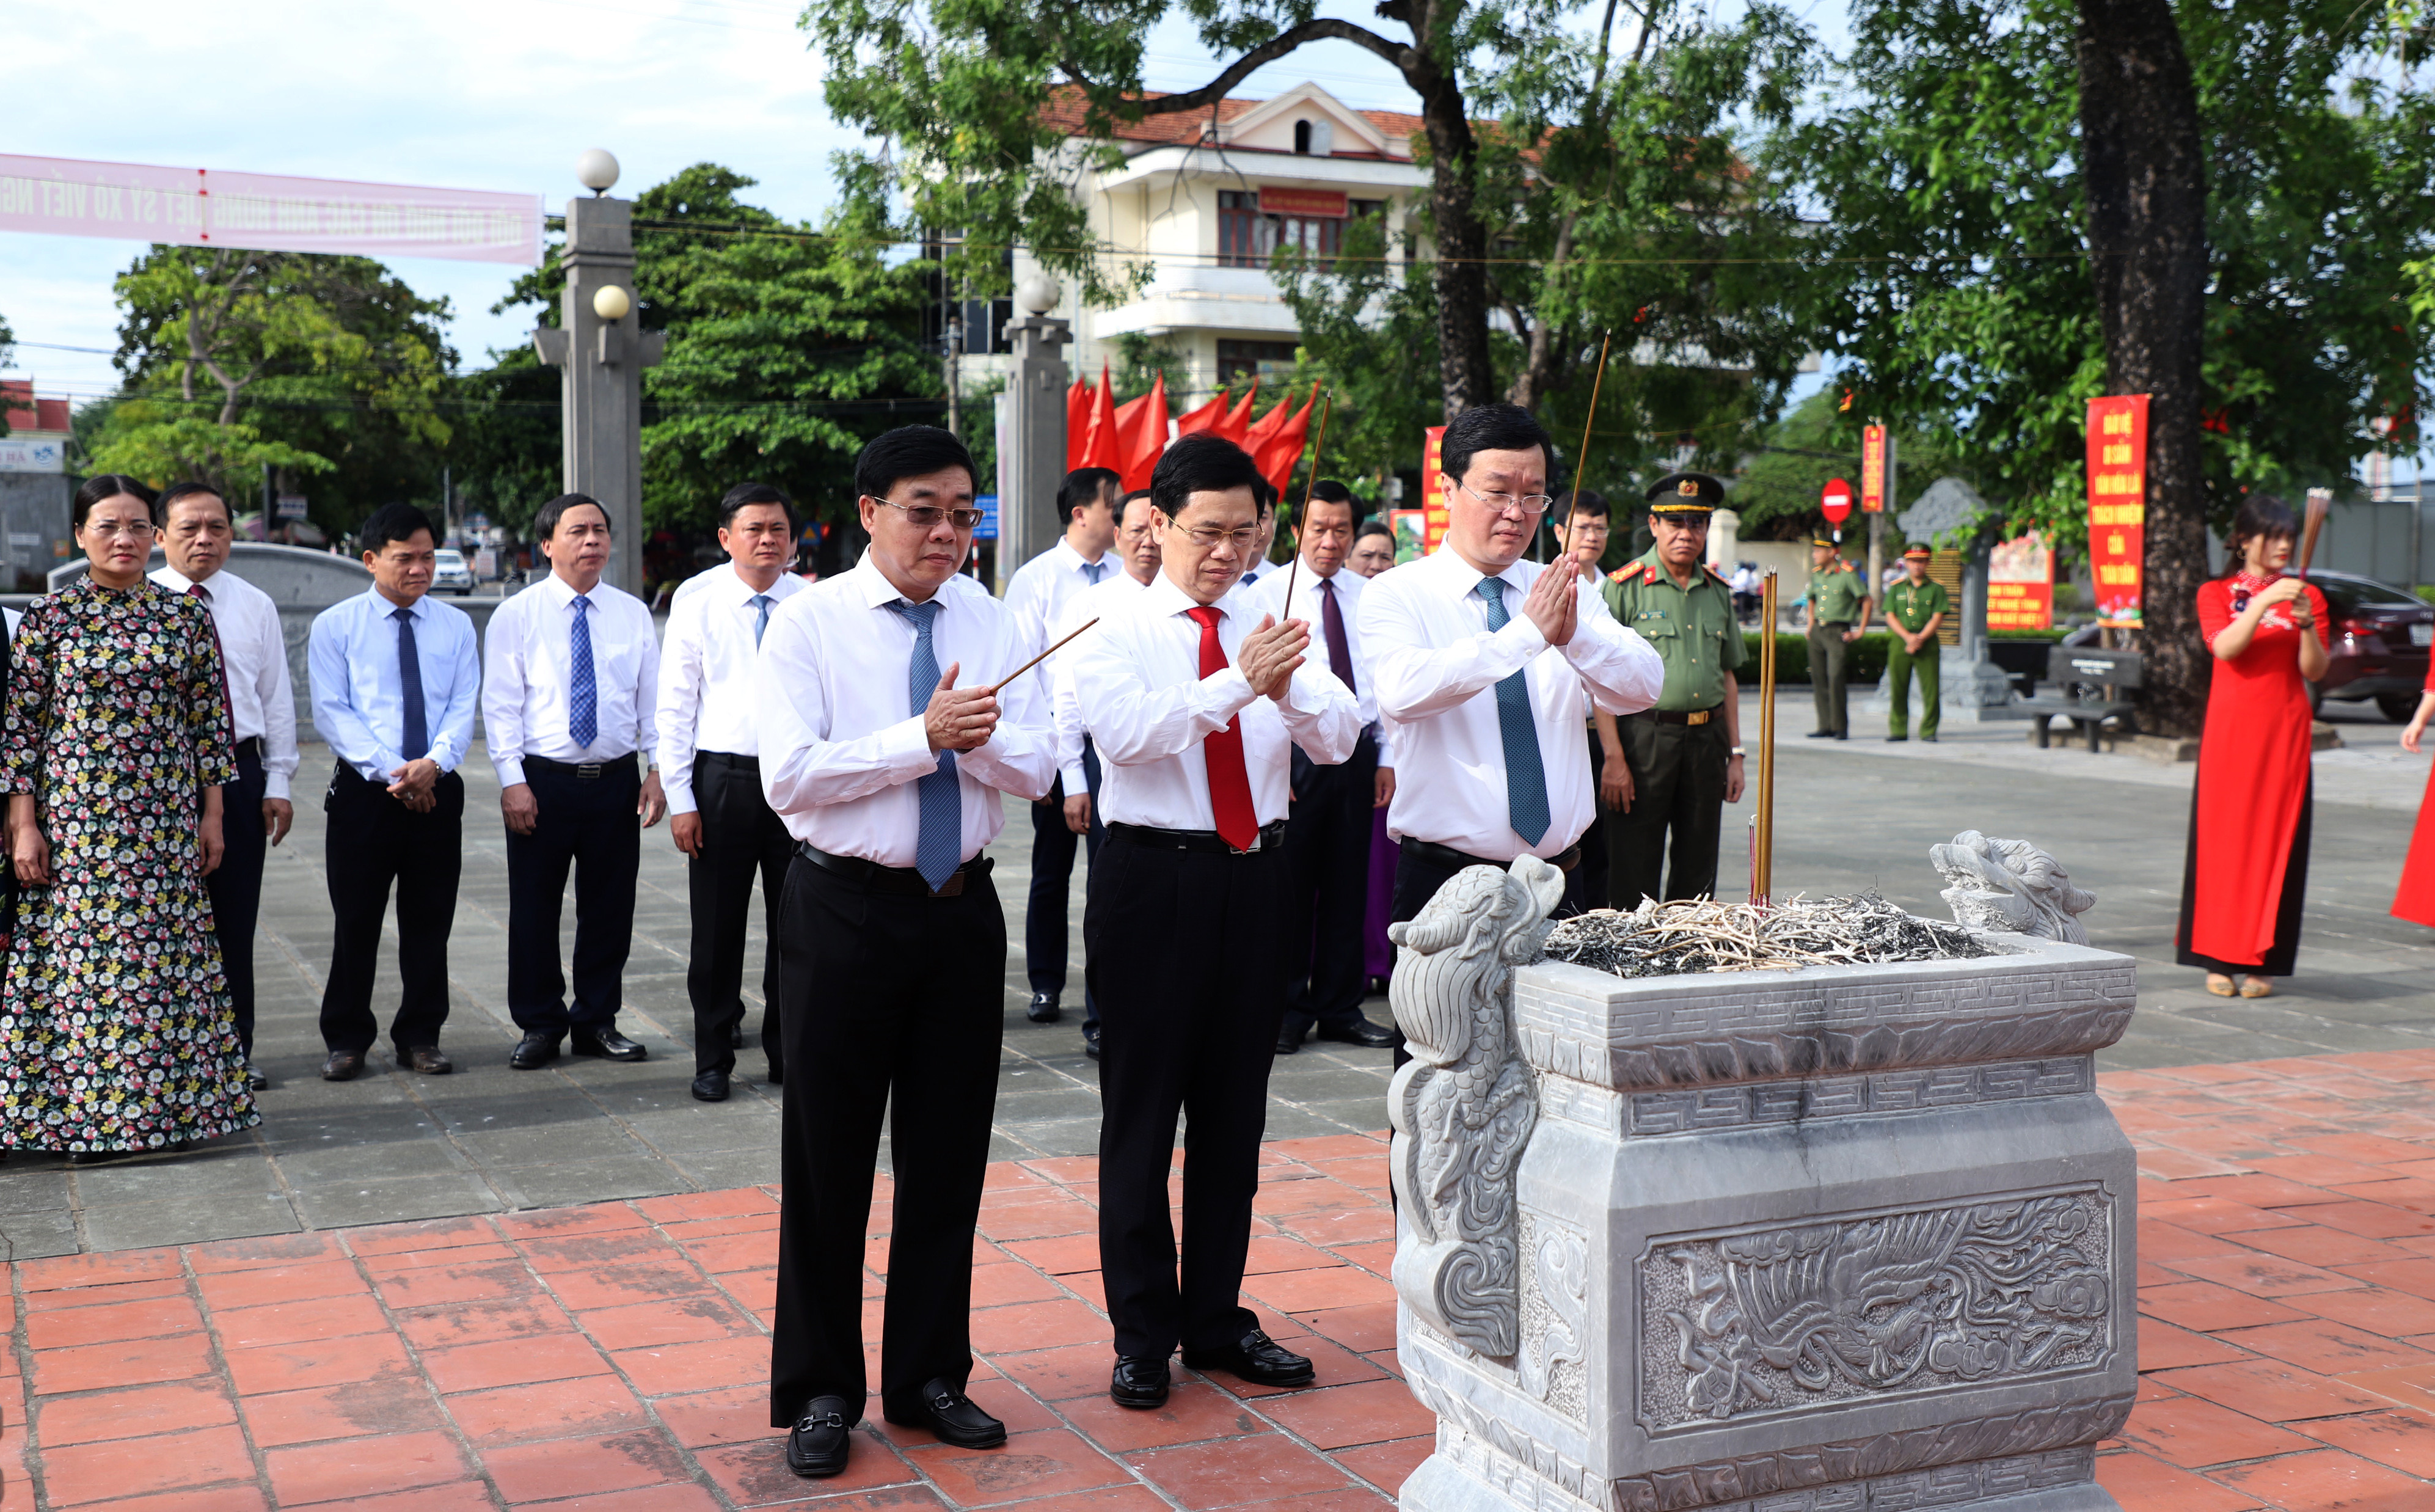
{"x": 1141, "y": 432}
{"x": 1236, "y": 427}
{"x": 1100, "y": 445}
{"x": 1077, "y": 421}
{"x": 1277, "y": 457}
{"x": 1208, "y": 417}
{"x": 1264, "y": 429}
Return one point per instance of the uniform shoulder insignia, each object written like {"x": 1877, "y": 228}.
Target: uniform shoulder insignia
{"x": 1718, "y": 576}
{"x": 1618, "y": 575}
{"x": 1649, "y": 577}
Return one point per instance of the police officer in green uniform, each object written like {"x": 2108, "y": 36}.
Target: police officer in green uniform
{"x": 1914, "y": 608}
{"x": 1682, "y": 759}
{"x": 1838, "y": 615}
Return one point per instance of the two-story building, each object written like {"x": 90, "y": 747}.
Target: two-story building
{"x": 36, "y": 488}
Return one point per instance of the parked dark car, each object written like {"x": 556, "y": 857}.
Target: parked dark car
{"x": 2380, "y": 635}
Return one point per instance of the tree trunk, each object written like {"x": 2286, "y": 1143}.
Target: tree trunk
{"x": 1464, "y": 369}
{"x": 2147, "y": 235}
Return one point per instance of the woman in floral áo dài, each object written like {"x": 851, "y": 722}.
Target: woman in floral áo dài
{"x": 115, "y": 1027}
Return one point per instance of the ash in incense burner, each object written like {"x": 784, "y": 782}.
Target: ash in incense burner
{"x": 1703, "y": 935}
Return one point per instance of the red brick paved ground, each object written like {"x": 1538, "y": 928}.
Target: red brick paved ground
{"x": 610, "y": 1357}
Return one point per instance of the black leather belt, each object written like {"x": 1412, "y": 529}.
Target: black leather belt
{"x": 1680, "y": 716}
{"x": 749, "y": 763}
{"x": 1202, "y": 842}
{"x": 583, "y": 770}
{"x": 895, "y": 882}
{"x": 1834, "y": 624}
{"x": 1429, "y": 850}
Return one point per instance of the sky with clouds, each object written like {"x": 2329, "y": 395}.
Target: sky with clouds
{"x": 498, "y": 95}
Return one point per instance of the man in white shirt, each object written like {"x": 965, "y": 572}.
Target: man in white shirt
{"x": 1196, "y": 699}
{"x": 396, "y": 675}
{"x": 710, "y": 764}
{"x": 1077, "y": 764}
{"x": 570, "y": 682}
{"x": 196, "y": 529}
{"x": 1037, "y": 597}
{"x": 885, "y": 747}
{"x": 1488, "y": 666}
{"x": 1327, "y": 846}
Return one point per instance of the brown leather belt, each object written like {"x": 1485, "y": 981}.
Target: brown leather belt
{"x": 1681, "y": 716}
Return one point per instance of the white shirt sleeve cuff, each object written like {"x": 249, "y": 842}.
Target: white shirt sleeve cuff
{"x": 511, "y": 769}
{"x": 274, "y": 785}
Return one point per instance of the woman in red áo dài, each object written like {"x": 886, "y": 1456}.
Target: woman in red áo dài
{"x": 2415, "y": 899}
{"x": 2248, "y": 865}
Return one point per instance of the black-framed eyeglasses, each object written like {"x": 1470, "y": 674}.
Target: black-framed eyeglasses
{"x": 1526, "y": 503}
{"x": 926, "y": 516}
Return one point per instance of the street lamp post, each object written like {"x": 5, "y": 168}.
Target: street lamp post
{"x": 600, "y": 355}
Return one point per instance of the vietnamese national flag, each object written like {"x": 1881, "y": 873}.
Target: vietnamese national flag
{"x": 1264, "y": 429}
{"x": 1276, "y": 459}
{"x": 1208, "y": 417}
{"x": 1077, "y": 421}
{"x": 1101, "y": 446}
{"x": 1236, "y": 427}
{"x": 1141, "y": 434}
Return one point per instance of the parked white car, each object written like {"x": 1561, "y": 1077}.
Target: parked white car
{"x": 450, "y": 573}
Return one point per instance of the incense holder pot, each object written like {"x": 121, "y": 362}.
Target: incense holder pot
{"x": 1832, "y": 1239}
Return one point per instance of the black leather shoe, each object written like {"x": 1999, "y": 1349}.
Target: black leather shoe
{"x": 773, "y": 1079}
{"x": 1138, "y": 1382}
{"x": 535, "y": 1051}
{"x": 946, "y": 1411}
{"x": 254, "y": 1080}
{"x": 1929, "y": 739}
{"x": 1091, "y": 1041}
{"x": 1842, "y": 734}
{"x": 816, "y": 1445}
{"x": 710, "y": 1086}
{"x": 1043, "y": 1009}
{"x": 608, "y": 1044}
{"x": 342, "y": 1066}
{"x": 1289, "y": 1041}
{"x": 736, "y": 1033}
{"x": 429, "y": 1060}
{"x": 1897, "y": 739}
{"x": 1362, "y": 1031}
{"x": 1820, "y": 734}
{"x": 1255, "y": 1358}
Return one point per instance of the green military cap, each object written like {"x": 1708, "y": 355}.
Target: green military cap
{"x": 1917, "y": 553}
{"x": 1685, "y": 494}
{"x": 1820, "y": 539}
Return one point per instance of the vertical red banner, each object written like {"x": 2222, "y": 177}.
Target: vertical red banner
{"x": 2020, "y": 586}
{"x": 1433, "y": 499}
{"x": 2117, "y": 505}
{"x": 1873, "y": 470}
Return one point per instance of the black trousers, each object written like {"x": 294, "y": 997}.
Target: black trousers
{"x": 1586, "y": 886}
{"x": 236, "y": 884}
{"x": 373, "y": 840}
{"x": 588, "y": 823}
{"x": 1677, "y": 786}
{"x": 1327, "y": 862}
{"x": 1188, "y": 1024}
{"x": 741, "y": 838}
{"x": 893, "y": 1007}
{"x": 1052, "y": 873}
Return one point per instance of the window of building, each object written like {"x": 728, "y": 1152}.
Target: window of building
{"x": 1249, "y": 237}
{"x": 1254, "y": 359}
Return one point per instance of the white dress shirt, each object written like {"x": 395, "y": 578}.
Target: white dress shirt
{"x": 359, "y": 700}
{"x": 1137, "y": 680}
{"x": 262, "y": 700}
{"x": 1434, "y": 668}
{"x": 1267, "y": 597}
{"x": 1097, "y": 601}
{"x": 842, "y": 741}
{"x": 524, "y": 677}
{"x": 706, "y": 682}
{"x": 1042, "y": 587}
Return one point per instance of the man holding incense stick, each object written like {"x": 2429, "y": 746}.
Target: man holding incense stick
{"x": 1487, "y": 665}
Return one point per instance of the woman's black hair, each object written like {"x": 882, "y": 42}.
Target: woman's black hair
{"x": 106, "y": 485}
{"x": 2261, "y": 514}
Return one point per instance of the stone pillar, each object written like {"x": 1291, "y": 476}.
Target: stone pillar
{"x": 1035, "y": 460}
{"x": 1975, "y": 688}
{"x": 600, "y": 364}
{"x": 1816, "y": 1241}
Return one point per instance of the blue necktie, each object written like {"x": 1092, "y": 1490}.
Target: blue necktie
{"x": 582, "y": 698}
{"x": 409, "y": 683}
{"x": 941, "y": 848}
{"x": 761, "y": 601}
{"x": 1526, "y": 775}
{"x": 1092, "y": 571}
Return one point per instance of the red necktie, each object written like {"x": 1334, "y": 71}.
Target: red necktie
{"x": 1230, "y": 787}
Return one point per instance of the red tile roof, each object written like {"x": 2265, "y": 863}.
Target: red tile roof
{"x": 1064, "y": 113}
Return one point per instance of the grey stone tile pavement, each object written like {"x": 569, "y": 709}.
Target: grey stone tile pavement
{"x": 1851, "y": 815}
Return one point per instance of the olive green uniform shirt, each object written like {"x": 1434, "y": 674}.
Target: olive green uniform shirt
{"x": 1835, "y": 594}
{"x": 1692, "y": 630}
{"x": 1911, "y": 605}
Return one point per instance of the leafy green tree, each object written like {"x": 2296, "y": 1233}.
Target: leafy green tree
{"x": 8, "y": 350}
{"x": 1776, "y": 494}
{"x": 315, "y": 365}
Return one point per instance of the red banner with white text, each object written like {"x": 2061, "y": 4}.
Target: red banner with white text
{"x": 2117, "y": 506}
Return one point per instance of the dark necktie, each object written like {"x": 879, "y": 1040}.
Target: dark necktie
{"x": 1331, "y": 621}
{"x": 227, "y": 701}
{"x": 409, "y": 684}
{"x": 1526, "y": 775}
{"x": 582, "y": 694}
{"x": 1230, "y": 784}
{"x": 939, "y": 848}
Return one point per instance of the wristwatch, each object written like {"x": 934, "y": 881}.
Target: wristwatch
{"x": 1738, "y": 751}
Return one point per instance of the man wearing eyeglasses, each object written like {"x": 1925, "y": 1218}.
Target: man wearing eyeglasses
{"x": 1037, "y": 595}
{"x": 1196, "y": 697}
{"x": 884, "y": 745}
{"x": 1488, "y": 666}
